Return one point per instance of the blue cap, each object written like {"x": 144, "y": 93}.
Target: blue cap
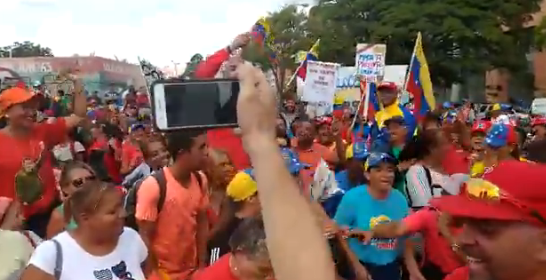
{"x": 292, "y": 161}
{"x": 136, "y": 126}
{"x": 505, "y": 107}
{"x": 450, "y": 116}
{"x": 447, "y": 105}
{"x": 375, "y": 159}
{"x": 497, "y": 136}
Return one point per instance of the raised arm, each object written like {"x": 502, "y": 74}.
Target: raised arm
{"x": 297, "y": 247}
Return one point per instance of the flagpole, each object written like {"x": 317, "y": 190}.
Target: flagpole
{"x": 411, "y": 62}
{"x": 301, "y": 64}
{"x": 367, "y": 100}
{"x": 294, "y": 75}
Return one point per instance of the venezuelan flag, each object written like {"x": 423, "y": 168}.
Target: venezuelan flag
{"x": 311, "y": 55}
{"x": 261, "y": 32}
{"x": 419, "y": 83}
{"x": 374, "y": 105}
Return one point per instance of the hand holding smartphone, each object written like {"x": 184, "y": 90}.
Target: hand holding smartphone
{"x": 187, "y": 104}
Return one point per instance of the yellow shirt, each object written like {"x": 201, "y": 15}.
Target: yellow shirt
{"x": 388, "y": 112}
{"x": 478, "y": 167}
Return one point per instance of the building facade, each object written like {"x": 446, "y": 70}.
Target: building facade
{"x": 98, "y": 74}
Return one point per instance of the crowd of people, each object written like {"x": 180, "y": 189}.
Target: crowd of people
{"x": 93, "y": 191}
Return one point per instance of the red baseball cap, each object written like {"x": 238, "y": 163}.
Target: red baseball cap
{"x": 481, "y": 126}
{"x": 512, "y": 191}
{"x": 538, "y": 121}
{"x": 387, "y": 85}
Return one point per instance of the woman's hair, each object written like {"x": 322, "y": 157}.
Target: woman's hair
{"x": 86, "y": 199}
{"x": 431, "y": 117}
{"x": 112, "y": 131}
{"x": 249, "y": 239}
{"x": 420, "y": 146}
{"x": 143, "y": 144}
{"x": 69, "y": 167}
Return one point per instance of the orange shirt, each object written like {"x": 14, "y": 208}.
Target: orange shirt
{"x": 174, "y": 243}
{"x": 26, "y": 164}
{"x": 312, "y": 157}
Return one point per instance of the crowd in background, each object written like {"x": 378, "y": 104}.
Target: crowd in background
{"x": 90, "y": 190}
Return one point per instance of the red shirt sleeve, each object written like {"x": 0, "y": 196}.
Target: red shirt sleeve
{"x": 419, "y": 220}
{"x": 461, "y": 273}
{"x": 53, "y": 133}
{"x": 207, "y": 69}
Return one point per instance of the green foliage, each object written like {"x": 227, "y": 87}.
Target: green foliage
{"x": 25, "y": 49}
{"x": 459, "y": 36}
{"x": 540, "y": 35}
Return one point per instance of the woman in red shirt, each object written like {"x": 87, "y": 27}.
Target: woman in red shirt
{"x": 102, "y": 156}
{"x": 249, "y": 258}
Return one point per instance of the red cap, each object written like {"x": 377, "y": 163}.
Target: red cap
{"x": 538, "y": 121}
{"x": 481, "y": 126}
{"x": 387, "y": 85}
{"x": 522, "y": 196}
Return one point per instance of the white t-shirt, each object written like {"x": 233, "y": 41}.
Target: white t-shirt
{"x": 419, "y": 188}
{"x": 63, "y": 152}
{"x": 122, "y": 263}
{"x": 15, "y": 251}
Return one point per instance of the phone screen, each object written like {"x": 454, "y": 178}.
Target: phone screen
{"x": 196, "y": 104}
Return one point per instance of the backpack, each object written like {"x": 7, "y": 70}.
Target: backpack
{"x": 131, "y": 197}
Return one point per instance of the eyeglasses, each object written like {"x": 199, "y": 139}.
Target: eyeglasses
{"x": 484, "y": 190}
{"x": 80, "y": 181}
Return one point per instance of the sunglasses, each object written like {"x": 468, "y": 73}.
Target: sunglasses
{"x": 80, "y": 181}
{"x": 481, "y": 189}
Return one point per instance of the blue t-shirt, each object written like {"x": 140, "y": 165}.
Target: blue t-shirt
{"x": 359, "y": 210}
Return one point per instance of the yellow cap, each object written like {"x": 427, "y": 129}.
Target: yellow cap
{"x": 241, "y": 187}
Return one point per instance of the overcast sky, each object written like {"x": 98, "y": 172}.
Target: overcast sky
{"x": 158, "y": 30}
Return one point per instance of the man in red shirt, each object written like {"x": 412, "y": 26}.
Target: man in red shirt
{"x": 249, "y": 258}
{"x": 26, "y": 171}
{"x": 503, "y": 218}
{"x": 224, "y": 138}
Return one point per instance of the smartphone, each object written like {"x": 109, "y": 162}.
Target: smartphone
{"x": 194, "y": 104}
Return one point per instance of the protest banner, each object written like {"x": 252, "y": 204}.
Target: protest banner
{"x": 348, "y": 86}
{"x": 320, "y": 86}
{"x": 370, "y": 61}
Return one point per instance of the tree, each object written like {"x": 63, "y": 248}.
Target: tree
{"x": 289, "y": 27}
{"x": 540, "y": 35}
{"x": 25, "y": 49}
{"x": 459, "y": 37}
